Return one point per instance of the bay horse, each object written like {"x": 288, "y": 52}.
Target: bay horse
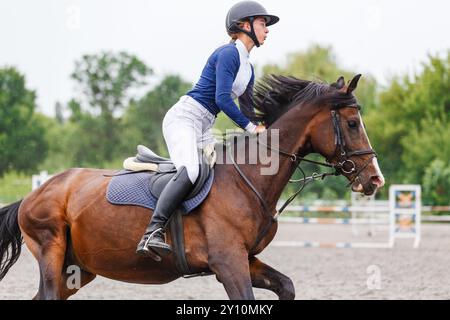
{"x": 68, "y": 221}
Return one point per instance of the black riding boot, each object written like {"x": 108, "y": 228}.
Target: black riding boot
{"x": 171, "y": 197}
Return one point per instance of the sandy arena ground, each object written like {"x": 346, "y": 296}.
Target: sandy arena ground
{"x": 317, "y": 273}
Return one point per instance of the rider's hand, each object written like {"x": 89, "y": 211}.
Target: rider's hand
{"x": 254, "y": 129}
{"x": 260, "y": 129}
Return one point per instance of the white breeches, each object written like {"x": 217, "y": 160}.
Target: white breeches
{"x": 187, "y": 128}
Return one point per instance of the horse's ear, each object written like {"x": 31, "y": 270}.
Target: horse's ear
{"x": 353, "y": 84}
{"x": 339, "y": 84}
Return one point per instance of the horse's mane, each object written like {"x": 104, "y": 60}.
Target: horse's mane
{"x": 276, "y": 94}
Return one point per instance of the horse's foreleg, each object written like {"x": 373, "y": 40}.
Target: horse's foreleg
{"x": 266, "y": 277}
{"x": 232, "y": 270}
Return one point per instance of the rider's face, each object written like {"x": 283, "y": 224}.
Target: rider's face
{"x": 260, "y": 29}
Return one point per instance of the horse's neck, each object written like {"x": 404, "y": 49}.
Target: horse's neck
{"x": 292, "y": 139}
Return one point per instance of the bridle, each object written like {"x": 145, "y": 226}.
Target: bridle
{"x": 344, "y": 165}
{"x": 345, "y": 155}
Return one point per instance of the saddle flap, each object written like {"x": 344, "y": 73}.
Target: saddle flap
{"x": 161, "y": 179}
{"x": 203, "y": 175}
{"x": 166, "y": 168}
{"x": 158, "y": 182}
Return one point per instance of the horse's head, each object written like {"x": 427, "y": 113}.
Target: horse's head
{"x": 337, "y": 132}
{"x": 329, "y": 122}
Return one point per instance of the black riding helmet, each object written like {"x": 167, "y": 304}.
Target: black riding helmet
{"x": 248, "y": 10}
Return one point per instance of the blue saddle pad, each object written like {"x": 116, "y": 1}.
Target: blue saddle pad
{"x": 133, "y": 189}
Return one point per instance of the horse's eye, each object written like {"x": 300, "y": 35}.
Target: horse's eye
{"x": 352, "y": 124}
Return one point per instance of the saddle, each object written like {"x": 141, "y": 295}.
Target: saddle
{"x": 164, "y": 169}
{"x": 160, "y": 171}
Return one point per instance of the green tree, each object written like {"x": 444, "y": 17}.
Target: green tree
{"x": 56, "y": 136}
{"x": 22, "y": 141}
{"x": 436, "y": 182}
{"x": 411, "y": 123}
{"x": 107, "y": 83}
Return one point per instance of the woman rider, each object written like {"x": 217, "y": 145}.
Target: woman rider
{"x": 228, "y": 75}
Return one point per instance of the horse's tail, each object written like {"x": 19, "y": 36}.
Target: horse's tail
{"x": 10, "y": 237}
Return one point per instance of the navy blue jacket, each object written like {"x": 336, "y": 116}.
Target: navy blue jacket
{"x": 213, "y": 90}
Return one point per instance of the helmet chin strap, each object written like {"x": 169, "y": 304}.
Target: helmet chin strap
{"x": 252, "y": 33}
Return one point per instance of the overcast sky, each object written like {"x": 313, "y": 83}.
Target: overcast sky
{"x": 43, "y": 38}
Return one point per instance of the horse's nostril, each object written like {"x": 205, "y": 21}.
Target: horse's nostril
{"x": 376, "y": 180}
